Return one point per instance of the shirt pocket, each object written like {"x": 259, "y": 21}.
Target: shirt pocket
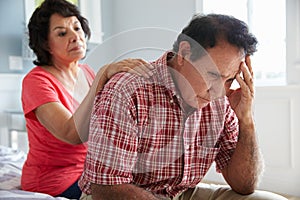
{"x": 201, "y": 160}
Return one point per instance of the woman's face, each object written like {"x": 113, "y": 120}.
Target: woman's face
{"x": 66, "y": 39}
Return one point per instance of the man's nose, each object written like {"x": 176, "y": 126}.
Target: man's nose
{"x": 217, "y": 89}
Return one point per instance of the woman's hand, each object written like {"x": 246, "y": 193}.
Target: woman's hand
{"x": 134, "y": 66}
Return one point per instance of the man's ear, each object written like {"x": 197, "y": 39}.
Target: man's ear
{"x": 184, "y": 52}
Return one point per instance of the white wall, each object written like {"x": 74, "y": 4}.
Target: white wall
{"x": 131, "y": 14}
{"x": 10, "y": 95}
{"x": 277, "y": 116}
{"x": 135, "y": 28}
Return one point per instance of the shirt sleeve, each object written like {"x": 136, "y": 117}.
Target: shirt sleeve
{"x": 228, "y": 140}
{"x": 37, "y": 90}
{"x": 113, "y": 140}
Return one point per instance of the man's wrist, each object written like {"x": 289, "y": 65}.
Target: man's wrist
{"x": 247, "y": 124}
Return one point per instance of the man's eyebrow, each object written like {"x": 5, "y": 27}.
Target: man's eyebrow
{"x": 230, "y": 76}
{"x": 227, "y": 76}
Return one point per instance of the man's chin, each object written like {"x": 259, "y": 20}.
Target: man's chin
{"x": 202, "y": 105}
{"x": 198, "y": 105}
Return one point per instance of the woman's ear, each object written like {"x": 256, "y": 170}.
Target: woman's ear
{"x": 46, "y": 47}
{"x": 184, "y": 52}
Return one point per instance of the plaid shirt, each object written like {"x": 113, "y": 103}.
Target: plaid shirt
{"x": 140, "y": 134}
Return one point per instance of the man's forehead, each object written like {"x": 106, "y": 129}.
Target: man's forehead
{"x": 223, "y": 66}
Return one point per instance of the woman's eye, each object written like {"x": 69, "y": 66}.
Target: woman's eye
{"x": 61, "y": 34}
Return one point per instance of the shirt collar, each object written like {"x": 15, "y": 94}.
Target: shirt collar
{"x": 163, "y": 73}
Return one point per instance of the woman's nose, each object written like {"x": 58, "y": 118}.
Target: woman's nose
{"x": 74, "y": 36}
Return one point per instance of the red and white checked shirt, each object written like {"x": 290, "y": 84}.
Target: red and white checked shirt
{"x": 140, "y": 134}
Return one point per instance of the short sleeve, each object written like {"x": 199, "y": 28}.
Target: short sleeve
{"x": 37, "y": 89}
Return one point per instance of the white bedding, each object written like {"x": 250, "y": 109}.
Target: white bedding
{"x": 23, "y": 195}
{"x": 11, "y": 162}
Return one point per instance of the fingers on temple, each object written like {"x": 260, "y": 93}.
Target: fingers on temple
{"x": 248, "y": 63}
{"x": 247, "y": 80}
{"x": 247, "y": 75}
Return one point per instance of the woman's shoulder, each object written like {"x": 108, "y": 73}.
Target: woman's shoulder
{"x": 38, "y": 75}
{"x": 36, "y": 71}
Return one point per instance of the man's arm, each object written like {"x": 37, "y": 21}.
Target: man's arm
{"x": 246, "y": 164}
{"x": 118, "y": 192}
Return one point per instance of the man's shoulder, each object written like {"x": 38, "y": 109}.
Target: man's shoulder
{"x": 125, "y": 80}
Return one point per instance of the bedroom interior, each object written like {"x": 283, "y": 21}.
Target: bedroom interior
{"x": 119, "y": 29}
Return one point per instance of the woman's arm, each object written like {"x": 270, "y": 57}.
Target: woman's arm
{"x": 74, "y": 128}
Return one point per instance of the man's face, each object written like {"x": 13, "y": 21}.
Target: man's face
{"x": 210, "y": 76}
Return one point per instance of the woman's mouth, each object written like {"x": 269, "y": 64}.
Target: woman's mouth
{"x": 76, "y": 48}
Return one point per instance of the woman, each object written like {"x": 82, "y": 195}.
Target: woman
{"x": 57, "y": 97}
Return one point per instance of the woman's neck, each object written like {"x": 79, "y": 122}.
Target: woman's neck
{"x": 67, "y": 75}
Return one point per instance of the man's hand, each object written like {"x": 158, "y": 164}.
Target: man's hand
{"x": 241, "y": 99}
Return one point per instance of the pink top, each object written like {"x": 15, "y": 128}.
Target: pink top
{"x": 52, "y": 165}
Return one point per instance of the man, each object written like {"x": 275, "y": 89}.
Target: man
{"x": 157, "y": 138}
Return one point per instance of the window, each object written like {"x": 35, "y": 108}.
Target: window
{"x": 267, "y": 21}
{"x": 91, "y": 10}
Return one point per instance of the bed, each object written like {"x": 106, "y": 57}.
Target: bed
{"x": 11, "y": 162}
